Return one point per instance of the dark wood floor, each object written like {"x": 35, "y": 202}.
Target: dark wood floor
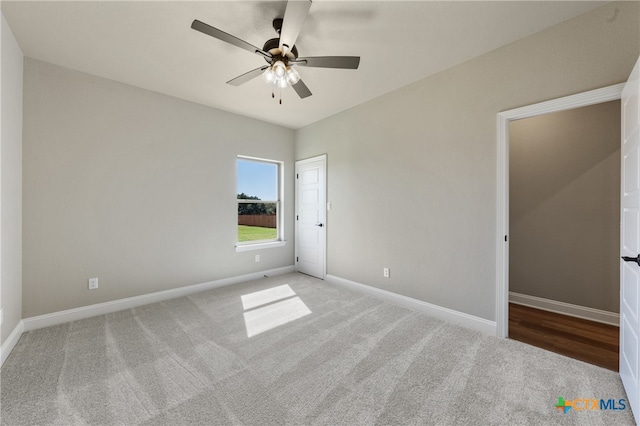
{"x": 577, "y": 338}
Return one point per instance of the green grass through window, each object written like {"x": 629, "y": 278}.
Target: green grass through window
{"x": 255, "y": 233}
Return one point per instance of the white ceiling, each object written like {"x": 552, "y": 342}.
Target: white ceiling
{"x": 151, "y": 45}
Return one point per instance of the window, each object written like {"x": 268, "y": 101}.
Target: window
{"x": 259, "y": 203}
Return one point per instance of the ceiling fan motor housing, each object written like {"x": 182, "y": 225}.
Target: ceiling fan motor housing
{"x": 273, "y": 46}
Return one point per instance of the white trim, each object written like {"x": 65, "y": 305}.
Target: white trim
{"x": 563, "y": 308}
{"x": 605, "y": 94}
{"x": 502, "y": 242}
{"x": 312, "y": 159}
{"x": 446, "y": 314}
{"x": 11, "y": 342}
{"x": 83, "y": 312}
{"x": 592, "y": 97}
{"x": 260, "y": 246}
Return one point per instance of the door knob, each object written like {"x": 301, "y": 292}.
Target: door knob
{"x": 632, "y": 259}
{"x": 319, "y": 224}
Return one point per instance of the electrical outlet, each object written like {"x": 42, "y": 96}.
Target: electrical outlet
{"x": 93, "y": 283}
{"x": 257, "y": 258}
{"x": 385, "y": 272}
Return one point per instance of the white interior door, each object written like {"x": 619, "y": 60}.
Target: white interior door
{"x": 630, "y": 242}
{"x": 311, "y": 214}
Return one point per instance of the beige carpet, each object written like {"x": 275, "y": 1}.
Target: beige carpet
{"x": 318, "y": 354}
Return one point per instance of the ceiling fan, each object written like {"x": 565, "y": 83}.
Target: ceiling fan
{"x": 281, "y": 53}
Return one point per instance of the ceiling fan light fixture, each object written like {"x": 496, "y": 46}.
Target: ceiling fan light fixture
{"x": 269, "y": 76}
{"x": 279, "y": 69}
{"x": 292, "y": 76}
{"x": 282, "y": 83}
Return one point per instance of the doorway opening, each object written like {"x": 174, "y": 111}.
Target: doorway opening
{"x": 541, "y": 209}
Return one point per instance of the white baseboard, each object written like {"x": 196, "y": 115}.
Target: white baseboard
{"x": 577, "y": 311}
{"x": 11, "y": 341}
{"x": 446, "y": 314}
{"x": 83, "y": 312}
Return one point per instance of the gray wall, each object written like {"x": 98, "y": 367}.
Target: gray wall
{"x": 10, "y": 181}
{"x": 133, "y": 187}
{"x": 412, "y": 174}
{"x": 564, "y": 206}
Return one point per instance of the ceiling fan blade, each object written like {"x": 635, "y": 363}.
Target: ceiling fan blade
{"x": 241, "y": 79}
{"x": 294, "y": 16}
{"x": 345, "y": 62}
{"x": 221, "y": 35}
{"x": 301, "y": 89}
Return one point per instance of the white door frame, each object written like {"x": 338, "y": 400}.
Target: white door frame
{"x": 322, "y": 158}
{"x": 605, "y": 94}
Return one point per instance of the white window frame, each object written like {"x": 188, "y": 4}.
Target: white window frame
{"x": 279, "y": 241}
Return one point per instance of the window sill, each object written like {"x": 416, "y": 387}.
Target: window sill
{"x": 259, "y": 246}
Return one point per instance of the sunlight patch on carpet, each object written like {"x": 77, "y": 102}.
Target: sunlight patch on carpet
{"x": 273, "y": 307}
{"x": 259, "y": 298}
